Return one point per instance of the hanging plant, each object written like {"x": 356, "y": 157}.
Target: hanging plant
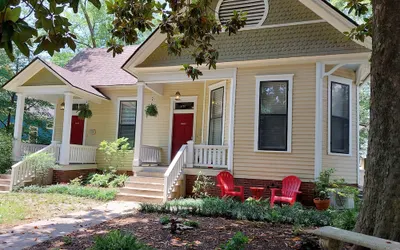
{"x": 84, "y": 112}
{"x": 151, "y": 110}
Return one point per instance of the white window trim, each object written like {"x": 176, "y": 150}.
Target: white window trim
{"x": 171, "y": 118}
{"x": 119, "y": 99}
{"x": 259, "y": 79}
{"x": 349, "y": 82}
{"x": 211, "y": 88}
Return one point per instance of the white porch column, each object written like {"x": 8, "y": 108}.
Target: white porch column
{"x": 190, "y": 154}
{"x": 320, "y": 69}
{"x": 231, "y": 137}
{"x": 66, "y": 133}
{"x": 19, "y": 119}
{"x": 139, "y": 124}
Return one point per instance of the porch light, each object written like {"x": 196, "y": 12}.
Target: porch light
{"x": 177, "y": 96}
{"x": 62, "y": 106}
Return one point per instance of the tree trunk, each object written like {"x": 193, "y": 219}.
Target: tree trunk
{"x": 89, "y": 23}
{"x": 380, "y": 213}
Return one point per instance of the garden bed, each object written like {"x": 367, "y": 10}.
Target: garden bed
{"x": 211, "y": 233}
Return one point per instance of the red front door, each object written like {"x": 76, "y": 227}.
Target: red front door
{"x": 77, "y": 127}
{"x": 182, "y": 131}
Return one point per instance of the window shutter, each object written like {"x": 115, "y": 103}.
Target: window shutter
{"x": 255, "y": 10}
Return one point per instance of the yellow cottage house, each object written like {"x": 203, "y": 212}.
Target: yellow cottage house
{"x": 283, "y": 101}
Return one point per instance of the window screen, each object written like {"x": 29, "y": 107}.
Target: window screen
{"x": 127, "y": 121}
{"x": 273, "y": 115}
{"x": 216, "y": 116}
{"x": 340, "y": 118}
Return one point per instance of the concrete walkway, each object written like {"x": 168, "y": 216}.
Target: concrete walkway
{"x": 36, "y": 232}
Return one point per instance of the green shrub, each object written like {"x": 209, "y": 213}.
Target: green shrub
{"x": 78, "y": 181}
{"x": 80, "y": 191}
{"x": 5, "y": 151}
{"x": 116, "y": 240}
{"x": 42, "y": 163}
{"x": 114, "y": 152}
{"x": 346, "y": 219}
{"x": 237, "y": 242}
{"x": 118, "y": 181}
{"x": 202, "y": 186}
{"x": 107, "y": 179}
{"x": 191, "y": 223}
{"x": 253, "y": 211}
{"x": 165, "y": 220}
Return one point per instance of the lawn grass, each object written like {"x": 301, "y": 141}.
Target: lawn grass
{"x": 102, "y": 194}
{"x": 21, "y": 208}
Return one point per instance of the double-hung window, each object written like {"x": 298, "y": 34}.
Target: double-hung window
{"x": 127, "y": 120}
{"x": 339, "y": 115}
{"x": 215, "y": 131}
{"x": 273, "y": 124}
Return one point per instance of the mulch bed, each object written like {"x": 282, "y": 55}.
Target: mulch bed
{"x": 211, "y": 233}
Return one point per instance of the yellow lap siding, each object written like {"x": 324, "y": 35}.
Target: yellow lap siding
{"x": 275, "y": 165}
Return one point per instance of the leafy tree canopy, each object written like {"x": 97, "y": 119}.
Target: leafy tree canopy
{"x": 187, "y": 24}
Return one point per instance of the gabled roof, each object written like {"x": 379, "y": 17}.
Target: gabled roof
{"x": 322, "y": 8}
{"x": 88, "y": 70}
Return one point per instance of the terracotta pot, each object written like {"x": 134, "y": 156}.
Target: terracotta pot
{"x": 322, "y": 204}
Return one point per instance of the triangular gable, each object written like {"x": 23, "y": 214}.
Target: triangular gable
{"x": 311, "y": 16}
{"x": 36, "y": 69}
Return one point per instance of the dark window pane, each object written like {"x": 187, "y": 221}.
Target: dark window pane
{"x": 184, "y": 105}
{"x": 127, "y": 121}
{"x": 340, "y": 118}
{"x": 216, "y": 116}
{"x": 273, "y": 127}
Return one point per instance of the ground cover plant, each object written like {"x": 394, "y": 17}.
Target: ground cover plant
{"x": 255, "y": 211}
{"x": 212, "y": 233}
{"x": 102, "y": 194}
{"x": 22, "y": 208}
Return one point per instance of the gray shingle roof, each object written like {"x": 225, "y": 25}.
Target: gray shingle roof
{"x": 100, "y": 68}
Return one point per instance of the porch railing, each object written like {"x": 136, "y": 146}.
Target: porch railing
{"x": 27, "y": 148}
{"x": 82, "y": 154}
{"x": 174, "y": 171}
{"x": 24, "y": 170}
{"x": 150, "y": 155}
{"x": 210, "y": 156}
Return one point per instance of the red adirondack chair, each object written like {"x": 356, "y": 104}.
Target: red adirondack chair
{"x": 227, "y": 186}
{"x": 289, "y": 191}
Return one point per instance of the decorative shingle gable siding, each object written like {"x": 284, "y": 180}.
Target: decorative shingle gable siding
{"x": 288, "y": 11}
{"x": 268, "y": 43}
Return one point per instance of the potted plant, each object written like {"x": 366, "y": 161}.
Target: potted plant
{"x": 342, "y": 195}
{"x": 84, "y": 112}
{"x": 322, "y": 189}
{"x": 151, "y": 110}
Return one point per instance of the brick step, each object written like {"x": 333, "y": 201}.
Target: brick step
{"x": 4, "y": 187}
{"x": 5, "y": 181}
{"x": 142, "y": 191}
{"x": 145, "y": 179}
{"x": 139, "y": 198}
{"x": 5, "y": 176}
{"x": 155, "y": 186}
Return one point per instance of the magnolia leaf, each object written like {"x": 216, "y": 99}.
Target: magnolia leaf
{"x": 96, "y": 3}
{"x": 13, "y": 14}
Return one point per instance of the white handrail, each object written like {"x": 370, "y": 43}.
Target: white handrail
{"x": 23, "y": 170}
{"x": 28, "y": 148}
{"x": 210, "y": 156}
{"x": 150, "y": 154}
{"x": 82, "y": 154}
{"x": 174, "y": 171}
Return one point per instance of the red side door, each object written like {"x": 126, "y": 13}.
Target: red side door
{"x": 77, "y": 128}
{"x": 182, "y": 131}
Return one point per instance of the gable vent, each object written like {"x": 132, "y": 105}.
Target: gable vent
{"x": 256, "y": 10}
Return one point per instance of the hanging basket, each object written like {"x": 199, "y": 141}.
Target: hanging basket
{"x": 151, "y": 110}
{"x": 84, "y": 112}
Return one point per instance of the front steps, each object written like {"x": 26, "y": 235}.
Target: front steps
{"x": 147, "y": 186}
{"x": 5, "y": 180}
